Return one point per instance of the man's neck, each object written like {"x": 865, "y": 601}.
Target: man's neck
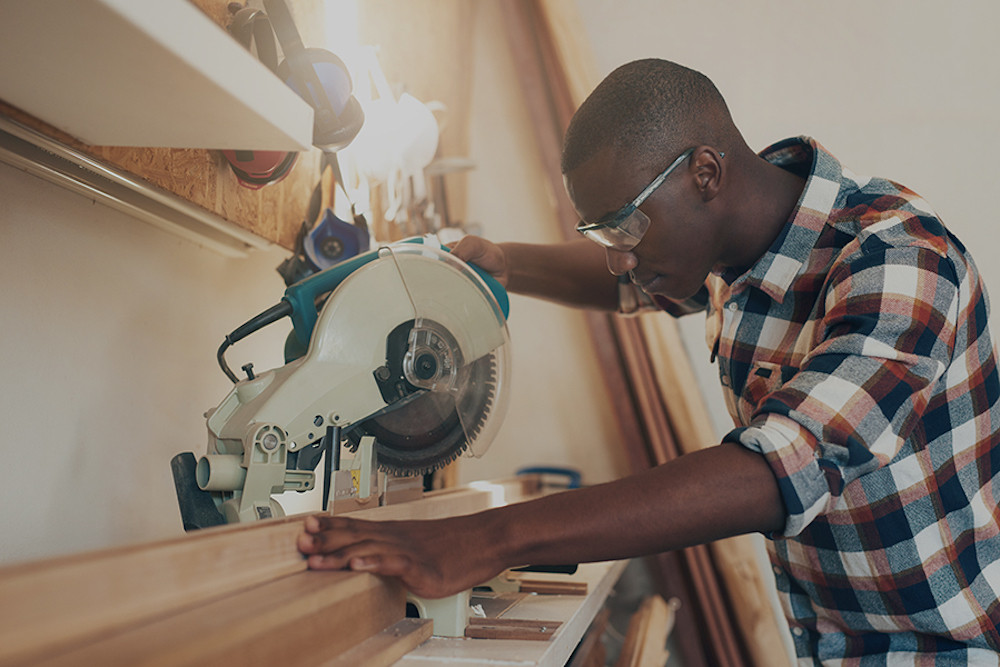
{"x": 767, "y": 197}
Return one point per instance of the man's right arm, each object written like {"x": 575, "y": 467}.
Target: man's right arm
{"x": 574, "y": 273}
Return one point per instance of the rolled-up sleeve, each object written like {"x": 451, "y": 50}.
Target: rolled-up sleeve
{"x": 886, "y": 336}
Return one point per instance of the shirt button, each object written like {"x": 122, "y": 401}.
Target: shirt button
{"x": 797, "y": 632}
{"x": 725, "y": 380}
{"x": 732, "y": 306}
{"x": 777, "y": 570}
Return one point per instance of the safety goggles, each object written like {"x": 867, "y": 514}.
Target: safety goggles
{"x": 623, "y": 229}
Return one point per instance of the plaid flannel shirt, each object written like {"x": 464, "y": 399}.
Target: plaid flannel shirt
{"x": 856, "y": 357}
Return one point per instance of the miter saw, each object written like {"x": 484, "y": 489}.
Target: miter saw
{"x": 401, "y": 354}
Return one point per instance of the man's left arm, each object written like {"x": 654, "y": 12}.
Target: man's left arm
{"x": 700, "y": 497}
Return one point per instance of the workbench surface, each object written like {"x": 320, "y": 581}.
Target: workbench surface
{"x": 575, "y": 612}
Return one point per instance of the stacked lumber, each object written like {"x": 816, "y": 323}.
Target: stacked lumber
{"x": 239, "y": 594}
{"x": 646, "y": 638}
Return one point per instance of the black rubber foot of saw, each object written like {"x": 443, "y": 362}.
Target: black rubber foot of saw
{"x": 197, "y": 507}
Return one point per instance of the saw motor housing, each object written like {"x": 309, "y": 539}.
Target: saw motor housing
{"x": 410, "y": 347}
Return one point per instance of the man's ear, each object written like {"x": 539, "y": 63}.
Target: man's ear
{"x": 706, "y": 162}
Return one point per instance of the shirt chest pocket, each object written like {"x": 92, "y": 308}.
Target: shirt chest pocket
{"x": 764, "y": 378}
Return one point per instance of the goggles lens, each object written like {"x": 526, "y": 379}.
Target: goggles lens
{"x": 624, "y": 230}
{"x": 621, "y": 233}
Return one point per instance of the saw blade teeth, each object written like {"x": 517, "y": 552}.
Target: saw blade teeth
{"x": 403, "y": 452}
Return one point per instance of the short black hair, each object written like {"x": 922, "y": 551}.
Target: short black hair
{"x": 650, "y": 110}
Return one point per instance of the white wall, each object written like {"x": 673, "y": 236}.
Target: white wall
{"x": 108, "y": 333}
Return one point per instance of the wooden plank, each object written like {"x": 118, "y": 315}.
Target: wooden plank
{"x": 459, "y": 501}
{"x": 301, "y": 619}
{"x": 47, "y": 605}
{"x": 547, "y": 587}
{"x": 646, "y": 638}
{"x": 548, "y": 117}
{"x": 611, "y": 345}
{"x": 386, "y": 647}
{"x": 688, "y": 424}
{"x": 511, "y": 628}
{"x": 711, "y": 604}
{"x": 570, "y": 42}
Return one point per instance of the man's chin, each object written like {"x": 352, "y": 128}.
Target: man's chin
{"x": 660, "y": 286}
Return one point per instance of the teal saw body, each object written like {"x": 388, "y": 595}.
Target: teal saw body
{"x": 406, "y": 344}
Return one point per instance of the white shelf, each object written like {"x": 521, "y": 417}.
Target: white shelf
{"x": 151, "y": 73}
{"x": 24, "y": 148}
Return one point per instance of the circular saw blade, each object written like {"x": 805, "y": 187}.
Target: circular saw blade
{"x": 434, "y": 429}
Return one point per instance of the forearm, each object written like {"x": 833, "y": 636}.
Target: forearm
{"x": 701, "y": 497}
{"x": 711, "y": 494}
{"x": 573, "y": 273}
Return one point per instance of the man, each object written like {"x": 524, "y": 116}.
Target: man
{"x": 850, "y": 328}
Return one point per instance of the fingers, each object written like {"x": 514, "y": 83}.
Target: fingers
{"x": 391, "y": 548}
{"x": 468, "y": 248}
{"x": 369, "y": 556}
{"x": 364, "y": 560}
{"x": 485, "y": 254}
{"x": 326, "y": 534}
{"x": 316, "y": 523}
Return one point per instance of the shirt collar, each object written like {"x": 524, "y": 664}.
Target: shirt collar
{"x": 776, "y": 270}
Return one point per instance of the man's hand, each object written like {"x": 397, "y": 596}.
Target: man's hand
{"x": 431, "y": 558}
{"x": 485, "y": 254}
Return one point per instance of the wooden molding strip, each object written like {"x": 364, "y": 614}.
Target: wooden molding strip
{"x": 511, "y": 628}
{"x": 712, "y": 602}
{"x": 49, "y": 605}
{"x": 387, "y": 646}
{"x": 646, "y": 638}
{"x": 736, "y": 558}
{"x": 301, "y": 619}
{"x": 543, "y": 72}
{"x": 550, "y": 587}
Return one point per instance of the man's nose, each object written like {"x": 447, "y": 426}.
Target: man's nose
{"x": 620, "y": 262}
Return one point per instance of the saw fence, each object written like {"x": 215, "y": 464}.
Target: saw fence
{"x": 237, "y": 594}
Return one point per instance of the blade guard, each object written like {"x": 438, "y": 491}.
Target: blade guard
{"x": 334, "y": 381}
{"x": 304, "y": 295}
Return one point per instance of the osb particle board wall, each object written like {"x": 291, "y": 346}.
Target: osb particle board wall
{"x": 424, "y": 47}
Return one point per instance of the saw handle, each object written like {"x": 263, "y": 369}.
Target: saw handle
{"x": 269, "y": 316}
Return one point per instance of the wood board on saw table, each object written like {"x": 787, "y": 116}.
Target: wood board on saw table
{"x": 61, "y": 606}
